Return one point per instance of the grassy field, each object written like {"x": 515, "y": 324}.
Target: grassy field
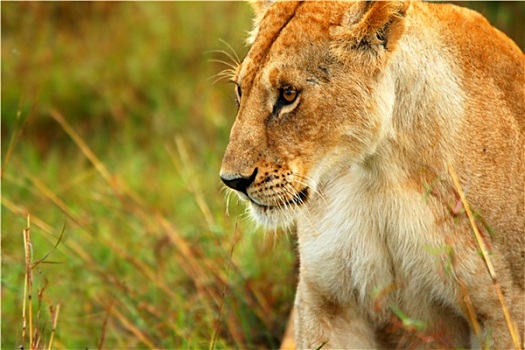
{"x": 112, "y": 208}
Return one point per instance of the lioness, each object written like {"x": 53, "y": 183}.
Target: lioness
{"x": 352, "y": 117}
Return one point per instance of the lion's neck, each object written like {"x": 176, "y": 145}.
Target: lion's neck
{"x": 426, "y": 114}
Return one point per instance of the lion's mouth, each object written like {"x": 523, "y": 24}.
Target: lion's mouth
{"x": 299, "y": 199}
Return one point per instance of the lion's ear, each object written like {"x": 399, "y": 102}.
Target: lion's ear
{"x": 372, "y": 24}
{"x": 260, "y": 7}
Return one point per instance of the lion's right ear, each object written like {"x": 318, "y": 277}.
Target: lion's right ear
{"x": 259, "y": 8}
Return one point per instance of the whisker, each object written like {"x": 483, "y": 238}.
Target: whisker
{"x": 237, "y": 59}
{"x": 228, "y": 74}
{"x": 307, "y": 182}
{"x": 247, "y": 215}
{"x": 234, "y": 59}
{"x": 229, "y": 64}
{"x": 228, "y": 196}
{"x": 292, "y": 192}
{"x": 307, "y": 217}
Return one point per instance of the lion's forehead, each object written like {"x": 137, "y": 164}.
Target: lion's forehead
{"x": 275, "y": 20}
{"x": 286, "y": 30}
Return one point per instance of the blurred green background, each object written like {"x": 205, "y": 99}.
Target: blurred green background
{"x": 112, "y": 135}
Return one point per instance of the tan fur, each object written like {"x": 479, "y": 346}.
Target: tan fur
{"x": 388, "y": 95}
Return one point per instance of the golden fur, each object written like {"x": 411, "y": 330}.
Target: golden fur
{"x": 350, "y": 114}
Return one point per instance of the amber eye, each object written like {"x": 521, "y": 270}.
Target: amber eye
{"x": 289, "y": 94}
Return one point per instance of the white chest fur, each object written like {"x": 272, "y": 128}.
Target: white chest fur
{"x": 363, "y": 239}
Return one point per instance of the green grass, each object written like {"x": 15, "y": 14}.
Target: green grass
{"x": 148, "y": 256}
{"x": 113, "y": 133}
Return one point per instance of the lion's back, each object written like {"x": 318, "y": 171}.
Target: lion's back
{"x": 491, "y": 65}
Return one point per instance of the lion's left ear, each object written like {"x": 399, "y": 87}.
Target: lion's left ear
{"x": 372, "y": 25}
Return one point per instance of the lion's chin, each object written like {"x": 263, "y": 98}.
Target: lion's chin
{"x": 275, "y": 216}
{"x": 279, "y": 215}
{"x": 272, "y": 218}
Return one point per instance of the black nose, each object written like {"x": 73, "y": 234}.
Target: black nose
{"x": 239, "y": 183}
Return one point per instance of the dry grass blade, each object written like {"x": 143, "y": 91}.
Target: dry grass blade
{"x": 192, "y": 266}
{"x": 470, "y": 309}
{"x": 16, "y": 135}
{"x": 104, "y": 325}
{"x": 28, "y": 284}
{"x": 46, "y": 191}
{"x": 465, "y": 301}
{"x": 128, "y": 324}
{"x": 485, "y": 254}
{"x": 186, "y": 170}
{"x": 53, "y": 331}
{"x": 112, "y": 180}
{"x": 41, "y": 260}
{"x": 82, "y": 145}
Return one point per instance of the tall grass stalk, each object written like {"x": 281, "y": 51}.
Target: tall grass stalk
{"x": 56, "y": 312}
{"x": 32, "y": 327}
{"x": 28, "y": 285}
{"x": 486, "y": 258}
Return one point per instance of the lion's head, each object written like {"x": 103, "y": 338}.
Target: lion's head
{"x": 311, "y": 101}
